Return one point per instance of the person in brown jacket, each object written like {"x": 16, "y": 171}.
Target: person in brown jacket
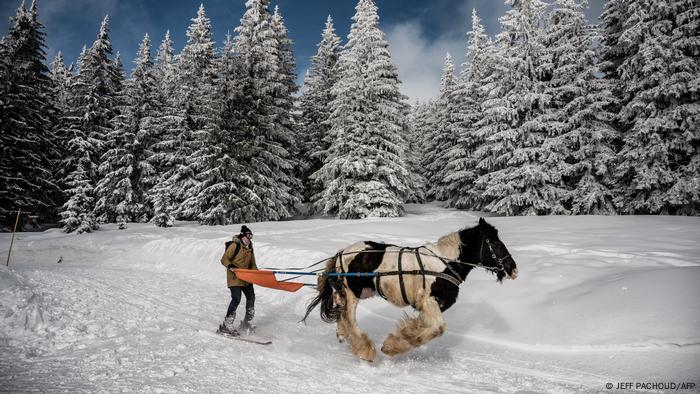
{"x": 239, "y": 254}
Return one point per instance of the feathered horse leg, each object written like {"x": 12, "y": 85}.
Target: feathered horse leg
{"x": 341, "y": 331}
{"x": 415, "y": 331}
{"x": 360, "y": 344}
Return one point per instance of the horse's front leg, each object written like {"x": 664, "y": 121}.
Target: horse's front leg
{"x": 413, "y": 332}
{"x": 360, "y": 344}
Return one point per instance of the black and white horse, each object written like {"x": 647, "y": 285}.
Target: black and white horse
{"x": 426, "y": 278}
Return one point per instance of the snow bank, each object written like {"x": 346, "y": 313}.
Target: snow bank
{"x": 607, "y": 297}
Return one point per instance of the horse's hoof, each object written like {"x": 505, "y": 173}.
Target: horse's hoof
{"x": 394, "y": 345}
{"x": 370, "y": 355}
{"x": 386, "y": 350}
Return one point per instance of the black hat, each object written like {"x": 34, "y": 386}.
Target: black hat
{"x": 245, "y": 230}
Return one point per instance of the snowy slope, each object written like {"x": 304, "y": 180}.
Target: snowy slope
{"x": 598, "y": 299}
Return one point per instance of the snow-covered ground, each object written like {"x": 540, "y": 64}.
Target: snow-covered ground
{"x": 598, "y": 300}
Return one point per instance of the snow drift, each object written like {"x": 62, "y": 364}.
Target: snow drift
{"x": 598, "y": 300}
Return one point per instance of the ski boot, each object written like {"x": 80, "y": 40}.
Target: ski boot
{"x": 227, "y": 327}
{"x": 246, "y": 328}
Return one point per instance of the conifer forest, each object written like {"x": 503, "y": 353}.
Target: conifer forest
{"x": 552, "y": 115}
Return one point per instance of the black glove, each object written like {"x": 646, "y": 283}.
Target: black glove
{"x": 231, "y": 267}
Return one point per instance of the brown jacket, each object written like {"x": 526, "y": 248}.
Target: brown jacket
{"x": 243, "y": 259}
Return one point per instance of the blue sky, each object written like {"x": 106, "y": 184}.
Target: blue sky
{"x": 420, "y": 32}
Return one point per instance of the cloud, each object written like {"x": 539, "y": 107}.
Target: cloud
{"x": 420, "y": 60}
{"x": 418, "y": 46}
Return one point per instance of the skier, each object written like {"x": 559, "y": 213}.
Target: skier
{"x": 239, "y": 254}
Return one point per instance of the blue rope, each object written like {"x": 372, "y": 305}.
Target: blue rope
{"x": 298, "y": 274}
{"x": 329, "y": 274}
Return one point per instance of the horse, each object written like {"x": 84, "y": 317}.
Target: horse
{"x": 426, "y": 277}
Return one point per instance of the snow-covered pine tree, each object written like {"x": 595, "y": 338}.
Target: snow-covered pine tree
{"x": 613, "y": 53}
{"x": 62, "y": 81}
{"x": 112, "y": 167}
{"x": 364, "y": 173}
{"x": 117, "y": 77}
{"x": 422, "y": 121}
{"x": 465, "y": 107}
{"x": 119, "y": 101}
{"x": 579, "y": 145}
{"x": 417, "y": 130}
{"x": 316, "y": 96}
{"x": 495, "y": 116}
{"x": 27, "y": 117}
{"x": 102, "y": 81}
{"x": 684, "y": 196}
{"x": 285, "y": 101}
{"x": 441, "y": 140}
{"x": 126, "y": 173}
{"x": 513, "y": 182}
{"x": 77, "y": 212}
{"x": 660, "y": 158}
{"x": 286, "y": 67}
{"x": 196, "y": 95}
{"x": 145, "y": 105}
{"x": 223, "y": 188}
{"x": 165, "y": 69}
{"x": 268, "y": 163}
{"x": 95, "y": 93}
{"x": 61, "y": 78}
{"x": 167, "y": 126}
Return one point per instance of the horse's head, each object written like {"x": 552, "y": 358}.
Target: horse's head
{"x": 494, "y": 254}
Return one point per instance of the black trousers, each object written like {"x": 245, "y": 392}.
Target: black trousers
{"x": 236, "y": 299}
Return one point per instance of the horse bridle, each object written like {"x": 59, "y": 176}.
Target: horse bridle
{"x": 498, "y": 260}
{"x": 487, "y": 241}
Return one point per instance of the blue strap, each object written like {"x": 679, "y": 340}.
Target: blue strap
{"x": 328, "y": 274}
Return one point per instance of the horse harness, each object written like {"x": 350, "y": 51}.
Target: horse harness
{"x": 454, "y": 278}
{"x": 400, "y": 272}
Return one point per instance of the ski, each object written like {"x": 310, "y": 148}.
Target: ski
{"x": 251, "y": 338}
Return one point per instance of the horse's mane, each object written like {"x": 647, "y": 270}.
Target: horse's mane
{"x": 449, "y": 244}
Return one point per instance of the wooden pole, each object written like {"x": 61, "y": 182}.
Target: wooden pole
{"x": 19, "y": 211}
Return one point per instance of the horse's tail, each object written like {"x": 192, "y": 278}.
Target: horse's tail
{"x": 330, "y": 312}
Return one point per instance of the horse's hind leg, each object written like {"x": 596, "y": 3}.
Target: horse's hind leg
{"x": 341, "y": 330}
{"x": 413, "y": 332}
{"x": 360, "y": 344}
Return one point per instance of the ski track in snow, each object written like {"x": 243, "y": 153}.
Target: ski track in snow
{"x": 136, "y": 310}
